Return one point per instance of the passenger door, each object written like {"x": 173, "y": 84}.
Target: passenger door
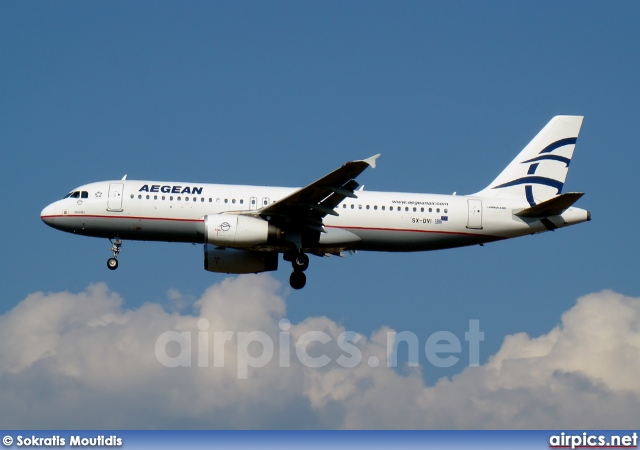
{"x": 475, "y": 214}
{"x": 114, "y": 203}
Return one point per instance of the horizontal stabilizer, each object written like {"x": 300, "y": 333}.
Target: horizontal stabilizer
{"x": 553, "y": 207}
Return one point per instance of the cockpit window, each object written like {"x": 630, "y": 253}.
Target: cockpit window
{"x": 77, "y": 194}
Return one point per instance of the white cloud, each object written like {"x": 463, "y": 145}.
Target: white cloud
{"x": 79, "y": 360}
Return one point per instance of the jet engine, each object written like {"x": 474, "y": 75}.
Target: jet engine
{"x": 233, "y": 260}
{"x": 231, "y": 230}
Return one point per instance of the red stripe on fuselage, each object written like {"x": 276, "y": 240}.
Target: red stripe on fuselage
{"x": 408, "y": 230}
{"x": 61, "y": 216}
{"x": 404, "y": 230}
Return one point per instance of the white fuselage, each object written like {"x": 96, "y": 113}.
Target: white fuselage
{"x": 245, "y": 228}
{"x": 382, "y": 221}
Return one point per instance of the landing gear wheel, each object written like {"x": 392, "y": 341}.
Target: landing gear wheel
{"x": 112, "y": 263}
{"x": 297, "y": 280}
{"x": 300, "y": 262}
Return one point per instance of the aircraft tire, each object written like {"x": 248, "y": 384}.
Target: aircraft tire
{"x": 300, "y": 263}
{"x": 112, "y": 263}
{"x": 297, "y": 280}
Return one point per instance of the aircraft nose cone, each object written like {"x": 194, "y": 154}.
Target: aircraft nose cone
{"x": 48, "y": 213}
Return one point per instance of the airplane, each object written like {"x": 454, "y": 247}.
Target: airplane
{"x": 245, "y": 228}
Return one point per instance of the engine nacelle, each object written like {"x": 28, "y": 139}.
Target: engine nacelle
{"x": 233, "y": 260}
{"x": 231, "y": 230}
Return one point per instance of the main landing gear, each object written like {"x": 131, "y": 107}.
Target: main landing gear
{"x": 112, "y": 263}
{"x": 300, "y": 263}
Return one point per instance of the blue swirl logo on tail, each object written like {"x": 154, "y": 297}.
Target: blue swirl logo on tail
{"x": 532, "y": 178}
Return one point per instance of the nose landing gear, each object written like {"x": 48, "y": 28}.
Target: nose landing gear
{"x": 112, "y": 263}
{"x": 300, "y": 263}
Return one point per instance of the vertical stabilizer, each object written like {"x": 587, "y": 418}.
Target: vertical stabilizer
{"x": 538, "y": 173}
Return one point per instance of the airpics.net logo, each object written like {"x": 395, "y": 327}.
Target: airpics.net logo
{"x": 593, "y": 440}
{"x": 312, "y": 349}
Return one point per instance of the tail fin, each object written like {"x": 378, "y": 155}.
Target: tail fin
{"x": 538, "y": 173}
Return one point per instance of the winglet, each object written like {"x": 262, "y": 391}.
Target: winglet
{"x": 372, "y": 160}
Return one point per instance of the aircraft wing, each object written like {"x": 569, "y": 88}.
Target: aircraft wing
{"x": 306, "y": 208}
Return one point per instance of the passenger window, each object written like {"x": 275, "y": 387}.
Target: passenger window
{"x": 390, "y": 208}
{"x": 147, "y": 197}
{"x": 139, "y": 196}
{"x": 352, "y": 206}
{"x": 383, "y": 208}
{"x": 414, "y": 209}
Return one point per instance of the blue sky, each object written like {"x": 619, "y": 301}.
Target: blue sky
{"x": 280, "y": 93}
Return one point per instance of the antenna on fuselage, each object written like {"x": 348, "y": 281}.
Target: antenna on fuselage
{"x": 124, "y": 177}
